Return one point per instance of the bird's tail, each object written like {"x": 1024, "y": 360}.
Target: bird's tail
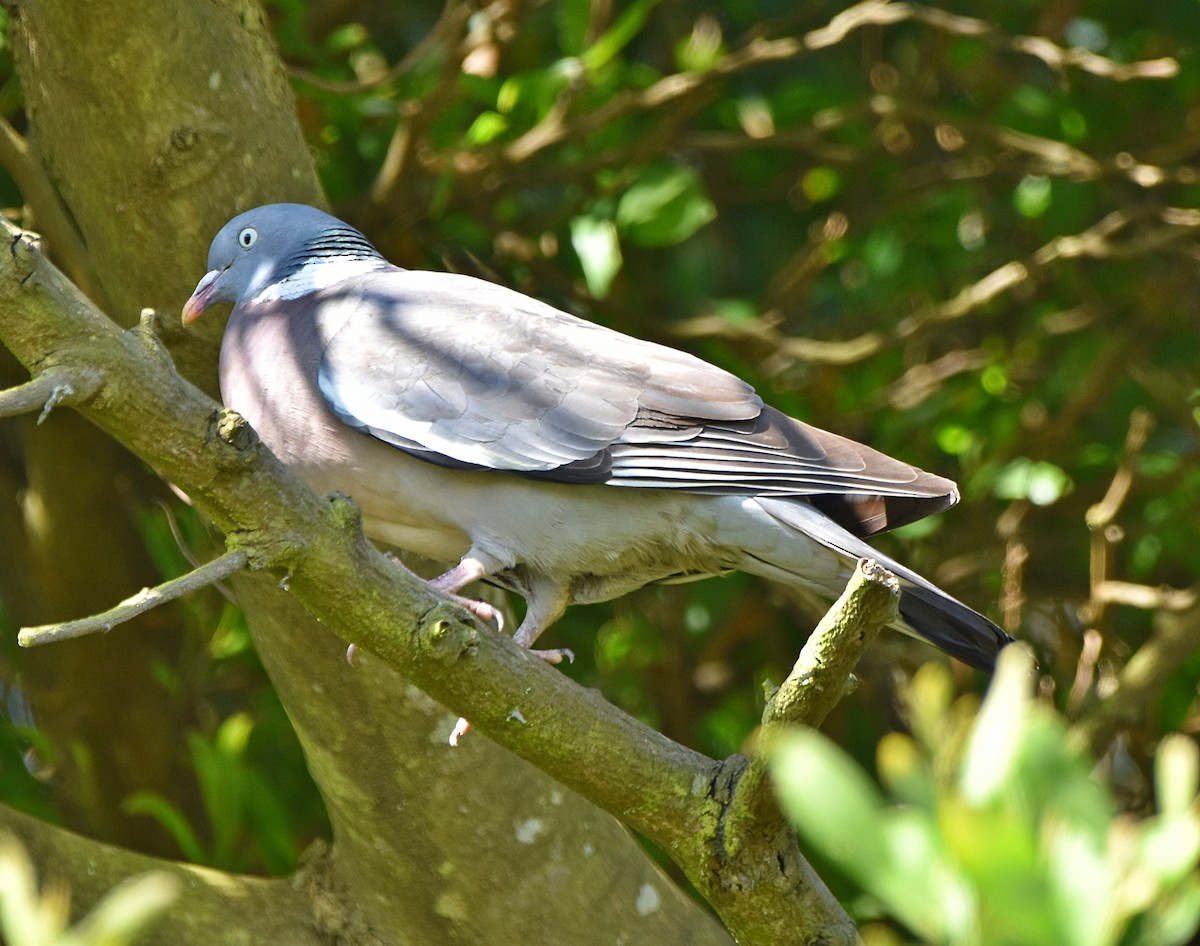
{"x": 925, "y": 610}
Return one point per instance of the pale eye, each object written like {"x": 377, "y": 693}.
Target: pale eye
{"x": 247, "y": 238}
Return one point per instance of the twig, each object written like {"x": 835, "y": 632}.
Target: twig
{"x": 1146, "y": 597}
{"x": 671, "y": 90}
{"x": 54, "y": 386}
{"x": 921, "y": 381}
{"x": 416, "y": 116}
{"x": 1085, "y": 672}
{"x": 1141, "y": 423}
{"x": 18, "y": 158}
{"x": 1055, "y": 56}
{"x": 1047, "y": 156}
{"x": 208, "y": 574}
{"x": 1016, "y": 554}
{"x": 1176, "y": 637}
{"x": 181, "y": 543}
{"x": 817, "y": 682}
{"x": 1096, "y": 242}
{"x": 453, "y": 15}
{"x": 1101, "y": 517}
{"x": 756, "y": 842}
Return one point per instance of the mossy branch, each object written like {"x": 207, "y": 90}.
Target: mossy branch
{"x": 655, "y": 785}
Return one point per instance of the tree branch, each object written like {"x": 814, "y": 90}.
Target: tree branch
{"x": 657, "y": 786}
{"x": 757, "y": 844}
{"x": 54, "y": 386}
{"x": 207, "y": 574}
{"x": 449, "y": 24}
{"x": 262, "y": 910}
{"x": 673, "y": 91}
{"x": 819, "y": 679}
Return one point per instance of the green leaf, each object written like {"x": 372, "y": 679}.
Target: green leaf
{"x": 1081, "y": 885}
{"x": 595, "y": 242}
{"x": 701, "y": 49}
{"x": 628, "y": 25}
{"x": 1170, "y": 847}
{"x": 126, "y": 911}
{"x": 572, "y": 21}
{"x": 1032, "y": 196}
{"x": 821, "y": 183}
{"x": 487, "y": 127}
{"x": 917, "y": 881}
{"x": 883, "y": 253}
{"x": 171, "y": 818}
{"x": 1176, "y": 774}
{"x": 956, "y": 439}
{"x": 1039, "y": 481}
{"x": 664, "y": 206}
{"x": 904, "y": 771}
{"x": 537, "y": 90}
{"x": 830, "y": 800}
{"x": 996, "y": 736}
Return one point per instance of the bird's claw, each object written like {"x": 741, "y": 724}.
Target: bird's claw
{"x": 460, "y": 729}
{"x": 556, "y": 656}
{"x": 487, "y": 613}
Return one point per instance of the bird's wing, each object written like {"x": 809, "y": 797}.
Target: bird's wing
{"x": 469, "y": 374}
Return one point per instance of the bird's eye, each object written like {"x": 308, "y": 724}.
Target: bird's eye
{"x": 247, "y": 238}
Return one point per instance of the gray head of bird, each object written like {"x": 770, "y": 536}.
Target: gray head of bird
{"x": 280, "y": 251}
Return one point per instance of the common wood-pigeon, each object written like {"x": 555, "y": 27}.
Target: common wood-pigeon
{"x": 544, "y": 453}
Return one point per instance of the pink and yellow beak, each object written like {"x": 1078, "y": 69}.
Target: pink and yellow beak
{"x": 202, "y": 298}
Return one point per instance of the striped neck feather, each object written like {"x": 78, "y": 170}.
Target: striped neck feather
{"x": 327, "y": 259}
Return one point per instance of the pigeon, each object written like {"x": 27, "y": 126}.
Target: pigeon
{"x": 540, "y": 452}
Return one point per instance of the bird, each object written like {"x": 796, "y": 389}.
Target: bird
{"x": 538, "y": 451}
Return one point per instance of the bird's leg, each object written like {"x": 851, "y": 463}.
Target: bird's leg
{"x": 546, "y": 601}
{"x": 468, "y": 570}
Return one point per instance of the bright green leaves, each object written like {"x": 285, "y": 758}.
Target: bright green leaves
{"x": 1039, "y": 481}
{"x": 595, "y": 241}
{"x": 32, "y": 918}
{"x": 821, "y": 183}
{"x": 996, "y": 830}
{"x": 893, "y": 853}
{"x": 487, "y": 127}
{"x": 243, "y": 811}
{"x": 619, "y": 35}
{"x": 665, "y": 204}
{"x": 1032, "y": 196}
{"x": 701, "y": 50}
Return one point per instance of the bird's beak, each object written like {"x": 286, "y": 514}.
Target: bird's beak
{"x": 202, "y": 297}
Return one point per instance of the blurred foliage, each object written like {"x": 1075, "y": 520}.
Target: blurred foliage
{"x": 995, "y": 829}
{"x": 969, "y": 242}
{"x": 29, "y": 917}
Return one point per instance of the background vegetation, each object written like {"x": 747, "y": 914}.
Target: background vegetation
{"x": 966, "y": 237}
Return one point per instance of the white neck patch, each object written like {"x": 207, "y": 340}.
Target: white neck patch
{"x": 320, "y": 274}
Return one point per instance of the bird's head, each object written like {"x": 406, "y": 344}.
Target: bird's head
{"x": 277, "y": 247}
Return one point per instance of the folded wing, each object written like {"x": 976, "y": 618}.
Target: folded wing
{"x": 474, "y": 376}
